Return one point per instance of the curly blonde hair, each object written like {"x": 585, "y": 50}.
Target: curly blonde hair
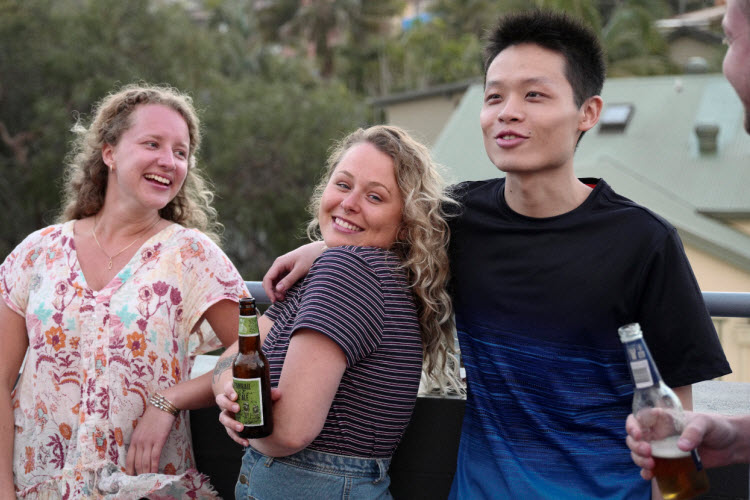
{"x": 86, "y": 175}
{"x": 423, "y": 238}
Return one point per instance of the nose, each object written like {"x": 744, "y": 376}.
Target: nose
{"x": 166, "y": 158}
{"x": 510, "y": 110}
{"x": 350, "y": 202}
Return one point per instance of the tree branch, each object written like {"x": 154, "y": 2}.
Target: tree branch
{"x": 17, "y": 143}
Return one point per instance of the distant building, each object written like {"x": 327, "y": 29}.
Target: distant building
{"x": 423, "y": 112}
{"x": 695, "y": 39}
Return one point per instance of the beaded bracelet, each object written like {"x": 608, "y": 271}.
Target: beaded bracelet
{"x": 158, "y": 401}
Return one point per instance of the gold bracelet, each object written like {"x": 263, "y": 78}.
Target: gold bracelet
{"x": 158, "y": 401}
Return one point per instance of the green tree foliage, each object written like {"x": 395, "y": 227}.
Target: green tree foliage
{"x": 423, "y": 56}
{"x": 447, "y": 47}
{"x": 634, "y": 46}
{"x": 327, "y": 24}
{"x": 270, "y": 109}
{"x": 473, "y": 17}
{"x": 587, "y": 10}
{"x": 269, "y": 141}
{"x": 267, "y": 121}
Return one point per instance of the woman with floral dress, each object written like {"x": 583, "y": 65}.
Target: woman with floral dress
{"x": 110, "y": 307}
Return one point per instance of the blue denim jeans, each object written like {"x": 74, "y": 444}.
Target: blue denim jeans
{"x": 312, "y": 475}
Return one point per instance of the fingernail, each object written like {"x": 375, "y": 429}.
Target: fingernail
{"x": 684, "y": 443}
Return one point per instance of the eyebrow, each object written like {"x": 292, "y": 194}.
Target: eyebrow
{"x": 371, "y": 183}
{"x": 149, "y": 135}
{"x": 539, "y": 80}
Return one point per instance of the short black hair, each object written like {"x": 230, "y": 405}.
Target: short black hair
{"x": 553, "y": 30}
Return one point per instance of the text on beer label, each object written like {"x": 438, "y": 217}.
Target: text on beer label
{"x": 250, "y": 400}
{"x": 641, "y": 374}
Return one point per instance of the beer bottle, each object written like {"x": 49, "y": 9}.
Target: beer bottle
{"x": 679, "y": 474}
{"x": 252, "y": 381}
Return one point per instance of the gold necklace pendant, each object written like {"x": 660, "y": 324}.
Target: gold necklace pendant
{"x": 110, "y": 257}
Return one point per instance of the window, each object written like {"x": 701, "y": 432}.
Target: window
{"x": 615, "y": 117}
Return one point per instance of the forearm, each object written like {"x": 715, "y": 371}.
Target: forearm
{"x": 222, "y": 371}
{"x": 191, "y": 394}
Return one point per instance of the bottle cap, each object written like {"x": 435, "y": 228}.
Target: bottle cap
{"x": 629, "y": 332}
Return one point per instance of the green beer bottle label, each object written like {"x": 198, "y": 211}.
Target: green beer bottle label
{"x": 249, "y": 326}
{"x": 250, "y": 401}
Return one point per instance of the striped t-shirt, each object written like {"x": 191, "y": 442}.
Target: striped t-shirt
{"x": 359, "y": 298}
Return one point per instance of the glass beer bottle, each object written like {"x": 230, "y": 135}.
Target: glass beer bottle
{"x": 679, "y": 474}
{"x": 252, "y": 381}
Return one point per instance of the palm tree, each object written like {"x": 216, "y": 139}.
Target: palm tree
{"x": 325, "y": 24}
{"x": 586, "y": 10}
{"x": 633, "y": 44}
{"x": 464, "y": 17}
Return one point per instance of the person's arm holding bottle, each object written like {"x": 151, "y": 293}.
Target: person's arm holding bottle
{"x": 720, "y": 440}
{"x": 310, "y": 377}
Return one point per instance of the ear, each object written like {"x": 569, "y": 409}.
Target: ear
{"x": 108, "y": 154}
{"x": 590, "y": 111}
{"x": 401, "y": 232}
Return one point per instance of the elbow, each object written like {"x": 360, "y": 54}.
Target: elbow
{"x": 289, "y": 442}
{"x": 296, "y": 441}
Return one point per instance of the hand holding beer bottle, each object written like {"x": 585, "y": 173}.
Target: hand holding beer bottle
{"x": 252, "y": 381}
{"x": 679, "y": 474}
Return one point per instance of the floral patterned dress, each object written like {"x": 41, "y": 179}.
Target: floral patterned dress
{"x": 95, "y": 357}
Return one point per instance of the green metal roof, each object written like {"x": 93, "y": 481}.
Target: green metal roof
{"x": 655, "y": 161}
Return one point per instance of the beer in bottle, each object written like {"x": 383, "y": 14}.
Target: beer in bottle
{"x": 252, "y": 381}
{"x": 679, "y": 474}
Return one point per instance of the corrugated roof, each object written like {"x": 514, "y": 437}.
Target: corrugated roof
{"x": 655, "y": 161}
{"x": 415, "y": 95}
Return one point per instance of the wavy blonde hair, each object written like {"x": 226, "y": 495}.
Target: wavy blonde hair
{"x": 423, "y": 239}
{"x": 86, "y": 175}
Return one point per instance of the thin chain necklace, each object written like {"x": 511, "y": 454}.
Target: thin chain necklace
{"x": 110, "y": 257}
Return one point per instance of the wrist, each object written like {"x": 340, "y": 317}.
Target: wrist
{"x": 158, "y": 401}
{"x": 741, "y": 442}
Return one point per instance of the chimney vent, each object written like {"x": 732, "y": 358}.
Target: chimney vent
{"x": 707, "y": 134}
{"x": 696, "y": 65}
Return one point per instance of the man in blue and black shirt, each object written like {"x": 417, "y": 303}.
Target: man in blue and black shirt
{"x": 545, "y": 268}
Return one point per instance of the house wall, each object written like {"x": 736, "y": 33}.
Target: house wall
{"x": 714, "y": 275}
{"x": 424, "y": 118}
{"x": 743, "y": 226}
{"x": 683, "y": 48}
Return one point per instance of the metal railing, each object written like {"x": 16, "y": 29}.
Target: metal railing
{"x": 728, "y": 304}
{"x": 725, "y": 304}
